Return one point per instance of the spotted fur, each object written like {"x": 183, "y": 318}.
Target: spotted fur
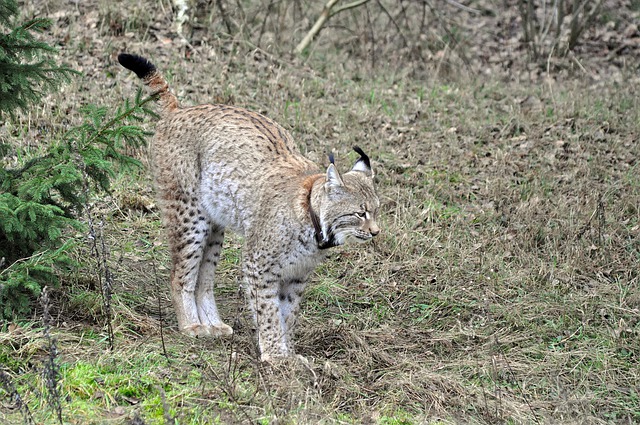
{"x": 219, "y": 167}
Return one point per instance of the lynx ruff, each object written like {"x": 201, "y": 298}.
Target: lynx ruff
{"x": 219, "y": 167}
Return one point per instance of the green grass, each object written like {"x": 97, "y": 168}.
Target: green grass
{"x": 139, "y": 380}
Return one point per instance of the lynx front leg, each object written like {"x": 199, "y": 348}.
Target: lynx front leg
{"x": 289, "y": 297}
{"x": 262, "y": 292}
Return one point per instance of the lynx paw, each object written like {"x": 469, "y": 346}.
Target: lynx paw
{"x": 207, "y": 331}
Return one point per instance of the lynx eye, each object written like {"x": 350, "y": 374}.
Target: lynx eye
{"x": 361, "y": 215}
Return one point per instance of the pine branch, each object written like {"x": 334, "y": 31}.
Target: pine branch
{"x": 129, "y": 112}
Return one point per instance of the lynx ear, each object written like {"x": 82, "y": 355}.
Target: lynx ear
{"x": 333, "y": 177}
{"x": 363, "y": 164}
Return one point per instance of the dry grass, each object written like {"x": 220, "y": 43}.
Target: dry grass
{"x": 503, "y": 289}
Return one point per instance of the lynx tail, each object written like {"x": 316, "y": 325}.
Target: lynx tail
{"x": 152, "y": 78}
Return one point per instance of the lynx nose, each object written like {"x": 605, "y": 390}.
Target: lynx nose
{"x": 374, "y": 229}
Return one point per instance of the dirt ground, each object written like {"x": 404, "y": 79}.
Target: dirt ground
{"x": 504, "y": 286}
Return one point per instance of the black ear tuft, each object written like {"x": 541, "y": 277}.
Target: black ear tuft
{"x": 363, "y": 157}
{"x": 141, "y": 66}
{"x": 332, "y": 158}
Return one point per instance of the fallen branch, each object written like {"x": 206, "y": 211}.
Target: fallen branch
{"x": 324, "y": 17}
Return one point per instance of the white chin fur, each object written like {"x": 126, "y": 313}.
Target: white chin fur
{"x": 340, "y": 237}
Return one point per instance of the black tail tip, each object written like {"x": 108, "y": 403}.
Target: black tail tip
{"x": 141, "y": 66}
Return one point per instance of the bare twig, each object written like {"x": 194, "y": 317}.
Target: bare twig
{"x": 601, "y": 219}
{"x": 372, "y": 35}
{"x": 160, "y": 316}
{"x": 264, "y": 21}
{"x": 297, "y": 10}
{"x": 395, "y": 24}
{"x": 281, "y": 16}
{"x": 577, "y": 62}
{"x": 166, "y": 410}
{"x": 327, "y": 12}
{"x": 513, "y": 375}
{"x": 403, "y": 12}
{"x": 423, "y": 18}
{"x": 578, "y": 25}
{"x": 451, "y": 35}
{"x": 529, "y": 23}
{"x": 442, "y": 58}
{"x": 107, "y": 286}
{"x": 225, "y": 17}
{"x": 560, "y": 10}
{"x": 100, "y": 255}
{"x": 549, "y": 80}
{"x": 6, "y": 383}
{"x": 51, "y": 370}
{"x": 484, "y": 391}
{"x": 230, "y": 384}
{"x": 598, "y": 214}
{"x": 324, "y": 16}
{"x": 573, "y": 15}
{"x": 547, "y": 20}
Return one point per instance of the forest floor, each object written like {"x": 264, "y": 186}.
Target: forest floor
{"x": 503, "y": 288}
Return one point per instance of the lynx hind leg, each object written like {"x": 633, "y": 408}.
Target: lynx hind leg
{"x": 205, "y": 299}
{"x": 187, "y": 232}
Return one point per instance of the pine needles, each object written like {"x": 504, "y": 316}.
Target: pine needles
{"x": 27, "y": 66}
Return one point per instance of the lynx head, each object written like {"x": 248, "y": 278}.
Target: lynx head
{"x": 350, "y": 204}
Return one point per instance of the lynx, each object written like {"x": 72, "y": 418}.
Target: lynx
{"x": 219, "y": 167}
